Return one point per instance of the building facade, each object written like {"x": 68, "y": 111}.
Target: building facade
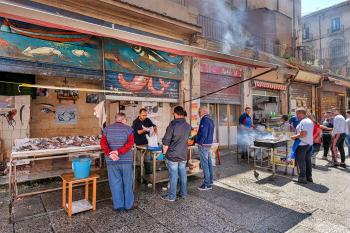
{"x": 326, "y": 37}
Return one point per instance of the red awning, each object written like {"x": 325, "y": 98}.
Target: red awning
{"x": 273, "y": 86}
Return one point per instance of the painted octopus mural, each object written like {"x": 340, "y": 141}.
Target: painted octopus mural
{"x": 143, "y": 85}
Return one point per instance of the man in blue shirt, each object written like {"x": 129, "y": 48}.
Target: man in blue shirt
{"x": 245, "y": 118}
{"x": 245, "y": 125}
{"x": 294, "y": 121}
{"x": 204, "y": 140}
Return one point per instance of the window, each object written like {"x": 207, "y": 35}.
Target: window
{"x": 306, "y": 32}
{"x": 335, "y": 24}
{"x": 337, "y": 47}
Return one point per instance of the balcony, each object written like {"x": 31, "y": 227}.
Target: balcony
{"x": 332, "y": 31}
{"x": 212, "y": 29}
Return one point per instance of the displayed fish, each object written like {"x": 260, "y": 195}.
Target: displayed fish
{"x": 47, "y": 110}
{"x": 43, "y": 51}
{"x": 136, "y": 85}
{"x": 153, "y": 55}
{"x": 80, "y": 52}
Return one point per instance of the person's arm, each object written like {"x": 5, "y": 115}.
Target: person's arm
{"x": 325, "y": 128}
{"x": 104, "y": 145}
{"x": 167, "y": 138}
{"x": 202, "y": 132}
{"x": 137, "y": 127}
{"x": 127, "y": 146}
{"x": 302, "y": 134}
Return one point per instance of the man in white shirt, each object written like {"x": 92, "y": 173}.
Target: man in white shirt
{"x": 304, "y": 137}
{"x": 339, "y": 134}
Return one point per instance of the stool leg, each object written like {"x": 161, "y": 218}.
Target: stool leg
{"x": 64, "y": 191}
{"x": 87, "y": 190}
{"x": 94, "y": 195}
{"x": 70, "y": 199}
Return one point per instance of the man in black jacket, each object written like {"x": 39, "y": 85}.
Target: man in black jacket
{"x": 175, "y": 151}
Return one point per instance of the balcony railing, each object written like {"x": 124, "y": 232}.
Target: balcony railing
{"x": 181, "y": 2}
{"x": 335, "y": 30}
{"x": 212, "y": 29}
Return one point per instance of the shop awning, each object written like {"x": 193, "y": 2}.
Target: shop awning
{"x": 308, "y": 77}
{"x": 272, "y": 86}
{"x": 340, "y": 82}
{"x": 31, "y": 15}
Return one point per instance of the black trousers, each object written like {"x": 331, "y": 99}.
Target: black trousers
{"x": 340, "y": 145}
{"x": 303, "y": 158}
{"x": 327, "y": 144}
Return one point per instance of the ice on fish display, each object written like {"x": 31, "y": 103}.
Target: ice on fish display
{"x": 29, "y": 144}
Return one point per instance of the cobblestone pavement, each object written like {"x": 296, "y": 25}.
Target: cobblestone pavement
{"x": 238, "y": 203}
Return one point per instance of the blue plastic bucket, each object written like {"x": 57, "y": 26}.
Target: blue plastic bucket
{"x": 81, "y": 168}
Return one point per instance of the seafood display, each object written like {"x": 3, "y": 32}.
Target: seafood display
{"x": 29, "y": 144}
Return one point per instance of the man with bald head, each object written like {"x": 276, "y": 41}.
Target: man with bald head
{"x": 116, "y": 143}
{"x": 204, "y": 140}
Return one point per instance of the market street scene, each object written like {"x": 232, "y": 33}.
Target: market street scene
{"x": 174, "y": 116}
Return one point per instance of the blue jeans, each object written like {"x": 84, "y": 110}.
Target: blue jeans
{"x": 177, "y": 170}
{"x": 120, "y": 183}
{"x": 303, "y": 158}
{"x": 206, "y": 164}
{"x": 348, "y": 143}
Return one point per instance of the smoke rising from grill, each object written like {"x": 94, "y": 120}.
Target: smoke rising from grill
{"x": 232, "y": 22}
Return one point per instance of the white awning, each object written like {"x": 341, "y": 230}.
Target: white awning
{"x": 16, "y": 11}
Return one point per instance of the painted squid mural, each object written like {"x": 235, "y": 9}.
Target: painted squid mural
{"x": 143, "y": 85}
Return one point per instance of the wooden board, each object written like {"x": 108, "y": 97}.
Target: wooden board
{"x": 80, "y": 206}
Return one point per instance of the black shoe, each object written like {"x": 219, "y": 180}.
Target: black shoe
{"x": 335, "y": 164}
{"x": 343, "y": 165}
{"x": 120, "y": 210}
{"x": 310, "y": 180}
{"x": 302, "y": 180}
{"x": 205, "y": 188}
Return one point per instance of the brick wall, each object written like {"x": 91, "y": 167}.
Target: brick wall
{"x": 44, "y": 124}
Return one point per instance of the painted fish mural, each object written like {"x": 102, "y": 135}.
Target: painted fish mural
{"x": 80, "y": 52}
{"x": 126, "y": 58}
{"x": 43, "y": 51}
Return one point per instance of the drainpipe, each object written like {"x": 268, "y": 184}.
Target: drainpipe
{"x": 318, "y": 87}
{"x": 191, "y": 87}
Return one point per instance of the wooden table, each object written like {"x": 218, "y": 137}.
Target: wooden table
{"x": 81, "y": 205}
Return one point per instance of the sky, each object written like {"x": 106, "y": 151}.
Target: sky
{"x": 308, "y": 6}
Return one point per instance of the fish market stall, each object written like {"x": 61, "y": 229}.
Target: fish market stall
{"x": 28, "y": 151}
{"x": 159, "y": 174}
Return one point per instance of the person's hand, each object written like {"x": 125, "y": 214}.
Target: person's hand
{"x": 293, "y": 137}
{"x": 114, "y": 155}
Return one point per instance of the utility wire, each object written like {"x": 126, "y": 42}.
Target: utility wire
{"x": 232, "y": 85}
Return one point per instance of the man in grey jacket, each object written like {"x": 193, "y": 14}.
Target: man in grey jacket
{"x": 175, "y": 151}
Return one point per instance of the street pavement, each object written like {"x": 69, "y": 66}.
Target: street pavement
{"x": 238, "y": 203}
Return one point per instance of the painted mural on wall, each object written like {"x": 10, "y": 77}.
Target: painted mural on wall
{"x": 143, "y": 86}
{"x": 127, "y": 58}
{"x": 142, "y": 71}
{"x": 38, "y": 44}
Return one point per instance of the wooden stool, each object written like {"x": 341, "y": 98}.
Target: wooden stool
{"x": 81, "y": 205}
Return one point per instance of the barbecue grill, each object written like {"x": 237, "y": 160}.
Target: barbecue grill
{"x": 270, "y": 143}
